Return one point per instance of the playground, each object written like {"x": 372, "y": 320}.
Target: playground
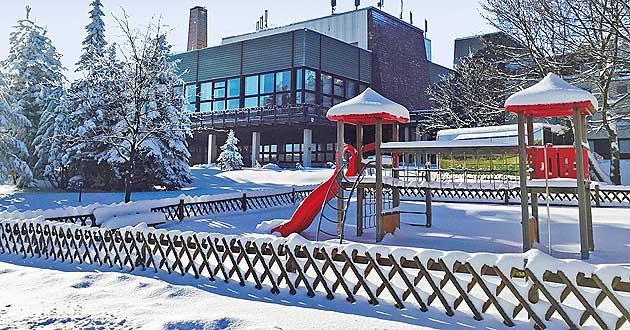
{"x": 393, "y": 230}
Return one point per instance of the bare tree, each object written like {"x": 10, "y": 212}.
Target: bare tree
{"x": 585, "y": 41}
{"x": 470, "y": 97}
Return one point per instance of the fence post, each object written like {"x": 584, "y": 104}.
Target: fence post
{"x": 244, "y": 202}
{"x": 180, "y": 210}
{"x": 597, "y": 197}
{"x": 293, "y": 195}
{"x": 506, "y": 196}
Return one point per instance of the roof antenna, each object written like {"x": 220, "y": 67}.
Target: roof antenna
{"x": 333, "y": 5}
{"x": 266, "y": 18}
{"x": 357, "y": 3}
{"x": 410, "y": 17}
{"x": 401, "y": 8}
{"x": 28, "y": 11}
{"x": 380, "y": 4}
{"x": 426, "y": 26}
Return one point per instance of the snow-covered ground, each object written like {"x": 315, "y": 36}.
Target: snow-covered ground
{"x": 80, "y": 297}
{"x": 206, "y": 181}
{"x": 59, "y": 296}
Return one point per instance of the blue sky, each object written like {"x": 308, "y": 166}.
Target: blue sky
{"x": 65, "y": 19}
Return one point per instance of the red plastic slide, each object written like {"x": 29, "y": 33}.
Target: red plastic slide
{"x": 312, "y": 204}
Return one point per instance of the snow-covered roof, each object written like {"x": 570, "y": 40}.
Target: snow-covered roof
{"x": 552, "y": 96}
{"x": 496, "y": 131}
{"x": 366, "y": 107}
{"x": 455, "y": 146}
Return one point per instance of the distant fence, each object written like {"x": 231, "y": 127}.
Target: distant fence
{"x": 604, "y": 196}
{"x": 528, "y": 289}
{"x": 184, "y": 209}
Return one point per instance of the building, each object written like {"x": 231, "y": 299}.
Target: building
{"x": 598, "y": 140}
{"x": 274, "y": 86}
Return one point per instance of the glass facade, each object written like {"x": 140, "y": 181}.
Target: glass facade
{"x": 279, "y": 88}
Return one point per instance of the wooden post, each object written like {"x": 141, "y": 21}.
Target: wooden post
{"x": 428, "y": 198}
{"x": 589, "y": 214}
{"x": 180, "y": 210}
{"x": 378, "y": 193}
{"x": 360, "y": 191}
{"x": 534, "y": 201}
{"x": 244, "y": 202}
{"x": 395, "y": 174}
{"x": 522, "y": 166}
{"x": 598, "y": 202}
{"x": 581, "y": 189}
{"x": 340, "y": 141}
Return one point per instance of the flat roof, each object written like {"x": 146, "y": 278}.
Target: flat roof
{"x": 445, "y": 147}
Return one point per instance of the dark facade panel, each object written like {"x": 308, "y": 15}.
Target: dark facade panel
{"x": 267, "y": 53}
{"x": 220, "y": 62}
{"x": 187, "y": 65}
{"x": 299, "y": 48}
{"x": 400, "y": 70}
{"x": 340, "y": 58}
{"x": 366, "y": 66}
{"x": 312, "y": 46}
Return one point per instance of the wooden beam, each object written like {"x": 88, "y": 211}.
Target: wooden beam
{"x": 395, "y": 174}
{"x": 360, "y": 191}
{"x": 379, "y": 179}
{"x": 530, "y": 142}
{"x": 522, "y": 166}
{"x": 581, "y": 189}
{"x": 340, "y": 142}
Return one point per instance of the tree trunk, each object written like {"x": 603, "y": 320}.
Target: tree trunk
{"x": 127, "y": 190}
{"x": 615, "y": 156}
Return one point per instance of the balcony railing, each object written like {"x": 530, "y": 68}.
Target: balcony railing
{"x": 257, "y": 116}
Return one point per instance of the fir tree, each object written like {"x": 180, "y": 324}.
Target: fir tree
{"x": 230, "y": 158}
{"x": 13, "y": 152}
{"x": 33, "y": 74}
{"x": 94, "y": 44}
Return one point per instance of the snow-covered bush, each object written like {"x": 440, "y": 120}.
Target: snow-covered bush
{"x": 298, "y": 166}
{"x": 230, "y": 158}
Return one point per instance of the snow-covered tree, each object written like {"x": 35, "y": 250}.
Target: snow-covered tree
{"x": 94, "y": 44}
{"x": 13, "y": 151}
{"x": 585, "y": 42}
{"x": 134, "y": 124}
{"x": 473, "y": 96}
{"x": 33, "y": 74}
{"x": 50, "y": 142}
{"x": 230, "y": 158}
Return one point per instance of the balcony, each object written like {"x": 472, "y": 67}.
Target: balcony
{"x": 299, "y": 114}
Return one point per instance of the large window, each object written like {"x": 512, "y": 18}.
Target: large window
{"x": 190, "y": 93}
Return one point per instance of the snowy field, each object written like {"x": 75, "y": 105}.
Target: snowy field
{"x": 60, "y": 296}
{"x": 206, "y": 181}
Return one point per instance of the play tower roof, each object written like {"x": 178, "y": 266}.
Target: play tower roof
{"x": 551, "y": 97}
{"x": 366, "y": 107}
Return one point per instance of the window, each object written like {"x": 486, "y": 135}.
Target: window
{"x": 251, "y": 85}
{"x": 219, "y": 90}
{"x": 299, "y": 78}
{"x": 327, "y": 84}
{"x": 622, "y": 90}
{"x": 310, "y": 78}
{"x": 283, "y": 81}
{"x": 251, "y": 102}
{"x": 266, "y": 100}
{"x": 624, "y": 146}
{"x": 266, "y": 83}
{"x": 191, "y": 97}
{"x": 339, "y": 87}
{"x": 234, "y": 87}
{"x": 204, "y": 107}
{"x": 351, "y": 89}
{"x": 233, "y": 104}
{"x": 218, "y": 105}
{"x": 205, "y": 91}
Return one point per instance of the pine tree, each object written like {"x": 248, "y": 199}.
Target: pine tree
{"x": 33, "y": 74}
{"x": 13, "y": 152}
{"x": 94, "y": 44}
{"x": 50, "y": 142}
{"x": 230, "y": 158}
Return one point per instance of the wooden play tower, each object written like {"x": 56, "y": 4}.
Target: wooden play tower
{"x": 553, "y": 97}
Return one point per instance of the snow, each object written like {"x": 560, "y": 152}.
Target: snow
{"x": 445, "y": 144}
{"x": 72, "y": 297}
{"x": 368, "y": 103}
{"x": 499, "y": 130}
{"x": 550, "y": 90}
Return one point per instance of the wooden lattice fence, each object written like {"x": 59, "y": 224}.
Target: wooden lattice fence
{"x": 522, "y": 289}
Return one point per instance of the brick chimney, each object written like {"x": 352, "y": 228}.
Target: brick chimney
{"x": 198, "y": 28}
